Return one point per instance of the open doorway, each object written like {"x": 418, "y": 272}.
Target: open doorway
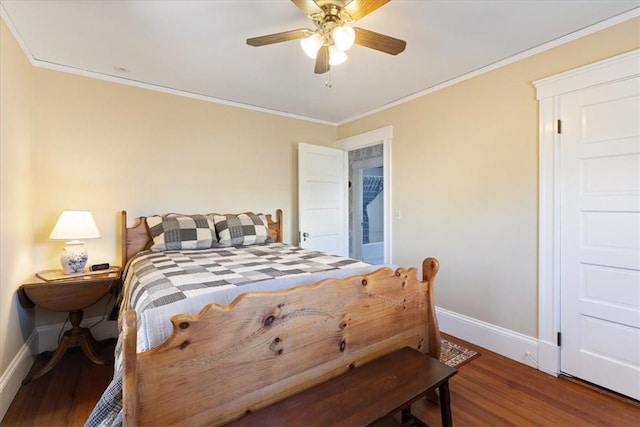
{"x": 368, "y": 164}
{"x": 366, "y": 204}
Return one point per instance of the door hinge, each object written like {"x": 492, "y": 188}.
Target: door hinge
{"x": 559, "y": 339}
{"x": 559, "y": 126}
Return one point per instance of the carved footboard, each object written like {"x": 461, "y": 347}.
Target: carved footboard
{"x": 226, "y": 361}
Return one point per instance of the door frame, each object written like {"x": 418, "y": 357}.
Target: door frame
{"x": 549, "y": 90}
{"x": 382, "y": 136}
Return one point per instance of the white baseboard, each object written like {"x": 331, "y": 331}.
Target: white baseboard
{"x": 515, "y": 346}
{"x": 549, "y": 357}
{"x": 100, "y": 329}
{"x": 11, "y": 379}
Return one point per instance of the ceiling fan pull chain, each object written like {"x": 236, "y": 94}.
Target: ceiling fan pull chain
{"x": 328, "y": 83}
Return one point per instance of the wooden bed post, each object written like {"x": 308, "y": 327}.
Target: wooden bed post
{"x": 275, "y": 227}
{"x": 133, "y": 239}
{"x": 430, "y": 267}
{"x": 123, "y": 239}
{"x": 129, "y": 374}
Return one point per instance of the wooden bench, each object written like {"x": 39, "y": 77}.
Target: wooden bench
{"x": 363, "y": 395}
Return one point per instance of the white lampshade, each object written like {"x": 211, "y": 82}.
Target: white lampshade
{"x": 311, "y": 44}
{"x": 74, "y": 226}
{"x": 336, "y": 56}
{"x": 343, "y": 37}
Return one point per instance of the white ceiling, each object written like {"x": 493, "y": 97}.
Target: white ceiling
{"x": 198, "y": 47}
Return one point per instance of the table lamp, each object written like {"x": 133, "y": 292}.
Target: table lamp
{"x": 73, "y": 227}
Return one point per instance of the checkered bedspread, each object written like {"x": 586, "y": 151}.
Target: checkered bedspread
{"x": 160, "y": 278}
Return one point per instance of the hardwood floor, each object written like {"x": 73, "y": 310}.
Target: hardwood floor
{"x": 66, "y": 395}
{"x": 495, "y": 391}
{"x": 490, "y": 391}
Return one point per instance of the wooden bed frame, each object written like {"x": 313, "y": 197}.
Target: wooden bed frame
{"x": 228, "y": 361}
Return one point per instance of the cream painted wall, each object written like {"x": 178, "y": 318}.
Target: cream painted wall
{"x": 16, "y": 260}
{"x": 106, "y": 147}
{"x": 465, "y": 177}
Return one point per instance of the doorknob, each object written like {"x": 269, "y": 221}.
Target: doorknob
{"x": 304, "y": 236}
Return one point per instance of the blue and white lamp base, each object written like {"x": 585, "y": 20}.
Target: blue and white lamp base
{"x": 74, "y": 257}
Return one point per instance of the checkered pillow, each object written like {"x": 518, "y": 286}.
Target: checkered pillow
{"x": 174, "y": 233}
{"x": 242, "y": 229}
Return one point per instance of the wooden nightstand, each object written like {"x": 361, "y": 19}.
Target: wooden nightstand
{"x": 68, "y": 293}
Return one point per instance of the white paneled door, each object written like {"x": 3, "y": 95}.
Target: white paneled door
{"x": 322, "y": 199}
{"x": 600, "y": 235}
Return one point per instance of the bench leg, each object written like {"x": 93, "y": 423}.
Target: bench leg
{"x": 408, "y": 419}
{"x": 445, "y": 404}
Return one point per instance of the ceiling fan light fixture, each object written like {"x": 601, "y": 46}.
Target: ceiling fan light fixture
{"x": 336, "y": 56}
{"x": 334, "y": 33}
{"x": 311, "y": 44}
{"x": 343, "y": 37}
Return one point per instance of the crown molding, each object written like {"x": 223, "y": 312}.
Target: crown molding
{"x": 129, "y": 82}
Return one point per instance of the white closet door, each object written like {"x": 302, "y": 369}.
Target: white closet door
{"x": 600, "y": 235}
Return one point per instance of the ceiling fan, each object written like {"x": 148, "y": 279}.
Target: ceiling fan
{"x": 331, "y": 38}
